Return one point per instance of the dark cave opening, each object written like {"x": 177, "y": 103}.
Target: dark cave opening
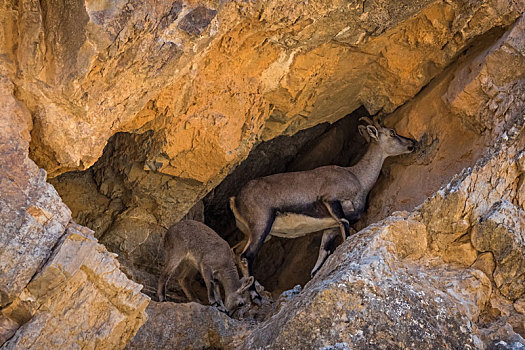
{"x": 128, "y": 206}
{"x": 283, "y": 263}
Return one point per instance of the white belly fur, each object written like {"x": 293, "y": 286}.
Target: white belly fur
{"x": 290, "y": 225}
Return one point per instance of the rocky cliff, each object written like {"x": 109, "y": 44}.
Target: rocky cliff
{"x": 122, "y": 116}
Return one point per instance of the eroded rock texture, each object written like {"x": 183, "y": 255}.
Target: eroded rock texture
{"x": 59, "y": 287}
{"x": 80, "y": 298}
{"x": 168, "y": 328}
{"x": 137, "y": 110}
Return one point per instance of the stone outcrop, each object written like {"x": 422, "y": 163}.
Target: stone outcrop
{"x": 59, "y": 287}
{"x": 454, "y": 132}
{"x": 32, "y": 211}
{"x": 463, "y": 246}
{"x": 80, "y": 298}
{"x": 399, "y": 283}
{"x": 277, "y": 84}
{"x": 168, "y": 328}
{"x": 182, "y": 144}
{"x": 380, "y": 290}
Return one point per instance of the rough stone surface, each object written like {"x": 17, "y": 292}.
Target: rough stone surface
{"x": 502, "y": 232}
{"x": 448, "y": 143}
{"x": 80, "y": 299}
{"x": 365, "y": 295}
{"x": 187, "y": 326}
{"x": 75, "y": 75}
{"x": 485, "y": 262}
{"x": 288, "y": 87}
{"x": 32, "y": 214}
{"x": 485, "y": 91}
{"x": 59, "y": 287}
{"x": 149, "y": 178}
{"x": 88, "y": 206}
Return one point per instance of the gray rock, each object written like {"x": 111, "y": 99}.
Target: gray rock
{"x": 197, "y": 20}
{"x": 186, "y": 326}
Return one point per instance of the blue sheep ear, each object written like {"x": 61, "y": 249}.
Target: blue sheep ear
{"x": 364, "y": 133}
{"x": 246, "y": 283}
{"x": 372, "y": 132}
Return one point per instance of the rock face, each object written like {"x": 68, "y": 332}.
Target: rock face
{"x": 23, "y": 188}
{"x": 137, "y": 110}
{"x": 450, "y": 273}
{"x": 451, "y": 140}
{"x": 168, "y": 328}
{"x": 60, "y": 288}
{"x": 500, "y": 232}
{"x": 399, "y": 283}
{"x": 366, "y": 297}
{"x": 80, "y": 298}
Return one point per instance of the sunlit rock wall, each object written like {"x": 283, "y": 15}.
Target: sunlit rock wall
{"x": 59, "y": 287}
